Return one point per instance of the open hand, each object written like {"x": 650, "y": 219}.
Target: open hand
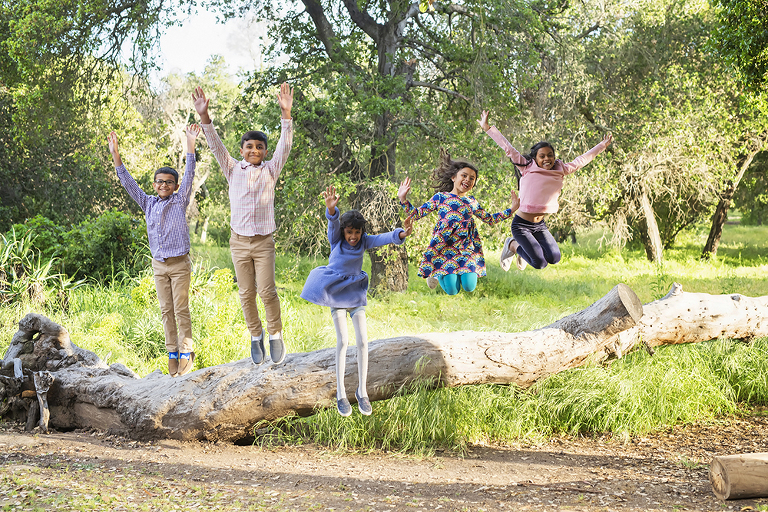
{"x": 201, "y": 104}
{"x": 608, "y": 138}
{"x": 331, "y": 199}
{"x": 285, "y": 99}
{"x": 402, "y": 192}
{"x": 112, "y": 141}
{"x": 514, "y": 201}
{"x": 483, "y": 121}
{"x": 408, "y": 225}
{"x": 113, "y": 149}
{"x": 193, "y": 130}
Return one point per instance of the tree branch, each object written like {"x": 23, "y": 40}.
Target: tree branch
{"x": 363, "y": 20}
{"x": 325, "y": 31}
{"x": 438, "y": 88}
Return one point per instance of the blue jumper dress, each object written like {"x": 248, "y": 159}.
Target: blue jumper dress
{"x": 342, "y": 283}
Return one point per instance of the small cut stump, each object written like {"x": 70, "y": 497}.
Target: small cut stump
{"x": 736, "y": 477}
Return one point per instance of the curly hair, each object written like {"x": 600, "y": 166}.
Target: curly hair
{"x": 448, "y": 168}
{"x": 352, "y": 219}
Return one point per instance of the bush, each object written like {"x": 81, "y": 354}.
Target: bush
{"x": 105, "y": 246}
{"x": 48, "y": 236}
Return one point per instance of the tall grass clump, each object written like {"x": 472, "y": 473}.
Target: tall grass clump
{"x": 631, "y": 396}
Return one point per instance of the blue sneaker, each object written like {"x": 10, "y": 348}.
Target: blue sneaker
{"x": 363, "y": 404}
{"x": 343, "y": 406}
{"x": 257, "y": 348}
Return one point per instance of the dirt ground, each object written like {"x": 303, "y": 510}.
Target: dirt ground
{"x": 664, "y": 471}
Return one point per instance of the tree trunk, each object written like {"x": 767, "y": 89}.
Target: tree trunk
{"x": 652, "y": 242}
{"x": 389, "y": 269}
{"x": 721, "y": 212}
{"x": 718, "y": 221}
{"x": 736, "y": 477}
{"x": 228, "y": 400}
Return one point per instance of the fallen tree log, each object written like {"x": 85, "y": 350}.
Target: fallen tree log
{"x": 225, "y": 401}
{"x": 737, "y": 477}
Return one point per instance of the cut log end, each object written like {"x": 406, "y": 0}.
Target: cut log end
{"x": 631, "y": 301}
{"x": 736, "y": 477}
{"x": 718, "y": 477}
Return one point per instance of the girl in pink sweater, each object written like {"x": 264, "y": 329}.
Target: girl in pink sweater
{"x": 540, "y": 186}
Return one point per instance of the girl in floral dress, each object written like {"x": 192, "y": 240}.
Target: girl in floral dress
{"x": 454, "y": 258}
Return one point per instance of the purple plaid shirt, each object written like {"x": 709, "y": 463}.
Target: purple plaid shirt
{"x": 166, "y": 218}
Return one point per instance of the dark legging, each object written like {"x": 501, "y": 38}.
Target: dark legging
{"x": 537, "y": 245}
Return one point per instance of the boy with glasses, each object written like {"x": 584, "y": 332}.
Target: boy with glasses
{"x": 169, "y": 243}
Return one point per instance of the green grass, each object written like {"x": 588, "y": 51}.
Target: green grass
{"x": 636, "y": 394}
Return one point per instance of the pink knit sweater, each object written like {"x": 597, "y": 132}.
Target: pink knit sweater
{"x": 540, "y": 188}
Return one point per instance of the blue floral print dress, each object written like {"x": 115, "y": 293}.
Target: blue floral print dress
{"x": 455, "y": 247}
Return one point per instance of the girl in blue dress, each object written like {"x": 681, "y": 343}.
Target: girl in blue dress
{"x": 454, "y": 257}
{"x": 342, "y": 286}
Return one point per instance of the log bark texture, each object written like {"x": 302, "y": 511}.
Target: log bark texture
{"x": 736, "y": 477}
{"x": 225, "y": 402}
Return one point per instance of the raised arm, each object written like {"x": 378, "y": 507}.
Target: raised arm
{"x": 495, "y": 218}
{"x": 501, "y": 140}
{"x": 225, "y": 160}
{"x": 126, "y": 180}
{"x": 331, "y": 199}
{"x": 483, "y": 121}
{"x": 587, "y": 157}
{"x": 285, "y": 100}
{"x": 192, "y": 132}
{"x": 332, "y": 213}
{"x": 413, "y": 212}
{"x": 114, "y": 150}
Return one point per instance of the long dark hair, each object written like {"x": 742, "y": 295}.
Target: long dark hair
{"x": 449, "y": 168}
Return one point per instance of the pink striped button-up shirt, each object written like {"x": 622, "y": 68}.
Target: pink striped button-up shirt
{"x": 252, "y": 187}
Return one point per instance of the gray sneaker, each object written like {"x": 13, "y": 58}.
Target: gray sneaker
{"x": 276, "y": 349}
{"x": 507, "y": 254}
{"x": 343, "y": 407}
{"x": 363, "y": 404}
{"x": 257, "y": 348}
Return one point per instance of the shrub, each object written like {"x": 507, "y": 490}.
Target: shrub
{"x": 48, "y": 236}
{"x": 107, "y": 245}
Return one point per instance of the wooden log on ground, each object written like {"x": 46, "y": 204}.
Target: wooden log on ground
{"x": 225, "y": 402}
{"x": 736, "y": 477}
{"x": 683, "y": 317}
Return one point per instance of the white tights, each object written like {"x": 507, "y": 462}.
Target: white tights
{"x": 339, "y": 316}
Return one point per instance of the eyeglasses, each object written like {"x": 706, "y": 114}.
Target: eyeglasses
{"x": 170, "y": 183}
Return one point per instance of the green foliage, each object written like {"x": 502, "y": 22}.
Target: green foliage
{"x": 48, "y": 236}
{"x": 102, "y": 247}
{"x": 632, "y": 396}
{"x": 751, "y": 197}
{"x": 741, "y": 38}
{"x": 27, "y": 277}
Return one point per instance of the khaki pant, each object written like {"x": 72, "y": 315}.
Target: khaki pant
{"x": 254, "y": 260}
{"x": 172, "y": 279}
